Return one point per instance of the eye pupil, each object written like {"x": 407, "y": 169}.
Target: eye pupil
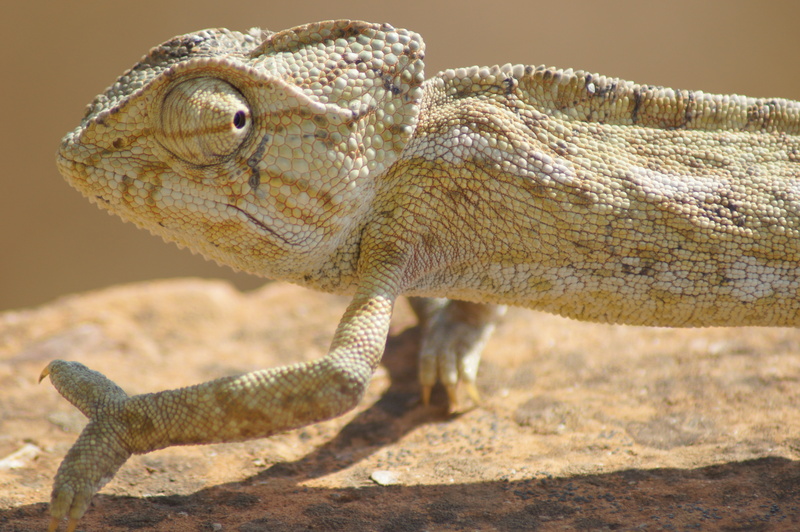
{"x": 239, "y": 119}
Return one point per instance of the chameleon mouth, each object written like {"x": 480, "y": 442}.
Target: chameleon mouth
{"x": 67, "y": 166}
{"x": 78, "y": 176}
{"x": 261, "y": 225}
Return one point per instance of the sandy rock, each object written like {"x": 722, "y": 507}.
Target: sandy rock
{"x": 584, "y": 426}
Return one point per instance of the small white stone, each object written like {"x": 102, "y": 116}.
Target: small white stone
{"x": 385, "y": 478}
{"x": 20, "y": 458}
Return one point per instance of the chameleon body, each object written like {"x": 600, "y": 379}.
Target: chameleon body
{"x": 321, "y": 156}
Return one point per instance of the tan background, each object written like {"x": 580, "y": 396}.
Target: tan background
{"x": 58, "y": 55}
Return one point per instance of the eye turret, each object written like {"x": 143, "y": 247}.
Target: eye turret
{"x": 204, "y": 120}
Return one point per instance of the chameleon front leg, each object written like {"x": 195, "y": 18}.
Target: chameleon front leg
{"x": 253, "y": 405}
{"x": 454, "y": 335}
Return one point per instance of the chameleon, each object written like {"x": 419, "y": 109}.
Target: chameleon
{"x": 320, "y": 155}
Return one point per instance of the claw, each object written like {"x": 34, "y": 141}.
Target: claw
{"x": 452, "y": 397}
{"x": 72, "y": 524}
{"x": 472, "y": 391}
{"x": 45, "y": 373}
{"x": 458, "y": 406}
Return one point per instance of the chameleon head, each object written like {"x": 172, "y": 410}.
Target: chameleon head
{"x": 258, "y": 150}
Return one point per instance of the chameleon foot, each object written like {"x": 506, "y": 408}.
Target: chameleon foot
{"x": 99, "y": 451}
{"x": 455, "y": 333}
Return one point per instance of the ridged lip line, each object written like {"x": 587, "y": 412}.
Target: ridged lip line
{"x": 261, "y": 224}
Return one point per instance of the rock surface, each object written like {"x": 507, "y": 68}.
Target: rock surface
{"x": 584, "y": 426}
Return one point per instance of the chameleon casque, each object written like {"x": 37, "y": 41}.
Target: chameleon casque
{"x": 321, "y": 156}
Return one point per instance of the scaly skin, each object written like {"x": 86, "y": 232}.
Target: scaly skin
{"x": 319, "y": 156}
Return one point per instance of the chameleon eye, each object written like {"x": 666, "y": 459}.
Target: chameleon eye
{"x": 204, "y": 120}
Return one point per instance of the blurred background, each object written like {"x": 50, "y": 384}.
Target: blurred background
{"x": 56, "y": 56}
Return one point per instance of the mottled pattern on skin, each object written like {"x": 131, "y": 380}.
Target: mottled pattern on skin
{"x": 319, "y": 155}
